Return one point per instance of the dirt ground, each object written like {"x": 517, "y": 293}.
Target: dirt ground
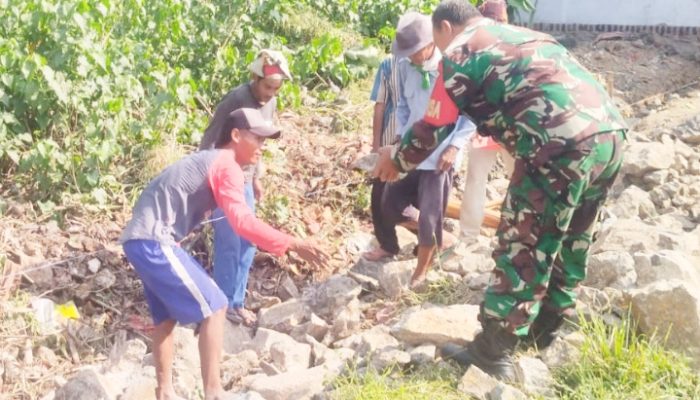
{"x": 313, "y": 192}
{"x": 640, "y": 65}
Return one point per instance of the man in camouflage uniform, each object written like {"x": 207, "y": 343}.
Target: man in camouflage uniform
{"x": 527, "y": 92}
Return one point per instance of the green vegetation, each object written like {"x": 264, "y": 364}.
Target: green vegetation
{"x": 89, "y": 89}
{"x": 618, "y": 363}
{"x": 426, "y": 383}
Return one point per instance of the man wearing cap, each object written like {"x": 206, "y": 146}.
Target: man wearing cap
{"x": 233, "y": 256}
{"x": 176, "y": 287}
{"x": 428, "y": 187}
{"x": 526, "y": 91}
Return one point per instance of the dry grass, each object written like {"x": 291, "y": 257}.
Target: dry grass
{"x": 160, "y": 156}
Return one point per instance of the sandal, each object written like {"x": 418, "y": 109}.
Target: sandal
{"x": 241, "y": 316}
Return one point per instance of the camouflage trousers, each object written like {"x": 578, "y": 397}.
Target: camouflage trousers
{"x": 547, "y": 221}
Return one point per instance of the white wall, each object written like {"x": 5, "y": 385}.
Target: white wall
{"x": 619, "y": 12}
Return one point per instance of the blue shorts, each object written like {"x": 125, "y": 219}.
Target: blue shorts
{"x": 175, "y": 285}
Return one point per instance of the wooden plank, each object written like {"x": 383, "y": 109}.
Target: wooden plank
{"x": 492, "y": 213}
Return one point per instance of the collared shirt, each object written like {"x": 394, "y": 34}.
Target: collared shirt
{"x": 413, "y": 101}
{"x": 522, "y": 88}
{"x": 386, "y": 91}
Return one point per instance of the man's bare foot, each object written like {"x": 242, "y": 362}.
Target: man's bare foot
{"x": 418, "y": 283}
{"x": 376, "y": 254}
{"x": 168, "y": 394}
{"x": 241, "y": 315}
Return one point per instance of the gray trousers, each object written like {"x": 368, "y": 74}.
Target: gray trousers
{"x": 428, "y": 191}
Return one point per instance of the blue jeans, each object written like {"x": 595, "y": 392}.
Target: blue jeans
{"x": 233, "y": 255}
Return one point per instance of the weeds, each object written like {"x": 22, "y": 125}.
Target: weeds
{"x": 424, "y": 383}
{"x": 619, "y": 363}
{"x": 442, "y": 292}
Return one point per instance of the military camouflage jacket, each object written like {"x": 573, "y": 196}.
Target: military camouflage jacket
{"x": 519, "y": 86}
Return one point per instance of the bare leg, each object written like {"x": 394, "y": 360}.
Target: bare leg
{"x": 211, "y": 336}
{"x": 163, "y": 356}
{"x": 425, "y": 257}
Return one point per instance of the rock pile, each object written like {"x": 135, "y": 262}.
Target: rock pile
{"x": 646, "y": 258}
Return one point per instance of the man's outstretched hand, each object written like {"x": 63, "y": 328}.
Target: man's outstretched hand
{"x": 311, "y": 253}
{"x": 385, "y": 170}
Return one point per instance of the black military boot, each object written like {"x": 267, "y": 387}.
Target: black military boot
{"x": 544, "y": 328}
{"x": 491, "y": 351}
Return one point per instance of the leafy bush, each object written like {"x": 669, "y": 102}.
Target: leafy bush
{"x": 88, "y": 87}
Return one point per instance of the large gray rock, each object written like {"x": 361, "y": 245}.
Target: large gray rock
{"x": 287, "y": 289}
{"x": 468, "y": 262}
{"x": 140, "y": 385}
{"x": 266, "y": 338}
{"x": 506, "y": 392}
{"x": 389, "y": 358}
{"x": 438, "y": 325}
{"x": 283, "y": 317}
{"x": 368, "y": 283}
{"x": 358, "y": 243}
{"x": 316, "y": 326}
{"x": 689, "y": 131}
{"x": 643, "y": 158}
{"x": 376, "y": 339}
{"x": 289, "y": 356}
{"x": 656, "y": 178}
{"x": 477, "y": 383}
{"x": 424, "y": 354}
{"x": 634, "y": 202}
{"x": 534, "y": 376}
{"x": 394, "y": 277}
{"x": 673, "y": 307}
{"x": 301, "y": 385}
{"x": 125, "y": 354}
{"x": 236, "y": 366}
{"x": 324, "y": 355}
{"x": 666, "y": 265}
{"x": 562, "y": 351}
{"x": 366, "y": 268}
{"x": 633, "y": 235}
{"x": 85, "y": 385}
{"x": 611, "y": 269}
{"x": 329, "y": 297}
{"x": 236, "y": 337}
{"x": 347, "y": 321}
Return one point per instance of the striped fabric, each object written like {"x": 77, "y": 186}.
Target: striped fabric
{"x": 386, "y": 90}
